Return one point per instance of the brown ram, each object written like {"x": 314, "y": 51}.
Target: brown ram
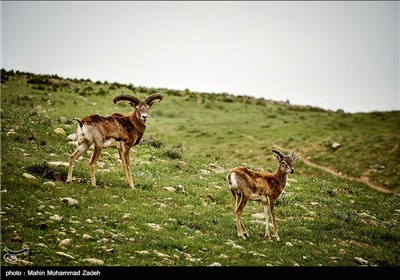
{"x": 118, "y": 130}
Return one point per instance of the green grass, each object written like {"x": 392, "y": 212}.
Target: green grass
{"x": 191, "y": 142}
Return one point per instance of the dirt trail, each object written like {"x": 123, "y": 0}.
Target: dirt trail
{"x": 363, "y": 179}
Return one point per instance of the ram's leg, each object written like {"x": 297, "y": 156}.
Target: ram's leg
{"x": 82, "y": 148}
{"x": 242, "y": 231}
{"x": 272, "y": 209}
{"x": 122, "y": 157}
{"x": 127, "y": 165}
{"x": 92, "y": 164}
{"x": 265, "y": 207}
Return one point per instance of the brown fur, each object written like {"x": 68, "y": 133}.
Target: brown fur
{"x": 125, "y": 131}
{"x": 264, "y": 187}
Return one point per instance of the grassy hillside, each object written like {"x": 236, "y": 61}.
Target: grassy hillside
{"x": 181, "y": 213}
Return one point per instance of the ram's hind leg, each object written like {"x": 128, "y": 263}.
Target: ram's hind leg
{"x": 82, "y": 148}
{"x": 240, "y": 204}
{"x": 92, "y": 164}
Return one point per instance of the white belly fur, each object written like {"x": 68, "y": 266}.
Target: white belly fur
{"x": 111, "y": 142}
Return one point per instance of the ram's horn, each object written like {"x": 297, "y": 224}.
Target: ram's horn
{"x": 133, "y": 99}
{"x": 152, "y": 98}
{"x": 281, "y": 155}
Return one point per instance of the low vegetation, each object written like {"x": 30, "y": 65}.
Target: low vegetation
{"x": 182, "y": 212}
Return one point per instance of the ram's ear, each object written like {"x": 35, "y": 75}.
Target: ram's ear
{"x": 292, "y": 156}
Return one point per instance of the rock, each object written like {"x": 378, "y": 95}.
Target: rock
{"x": 87, "y": 236}
{"x": 89, "y": 221}
{"x": 162, "y": 255}
{"x": 181, "y": 189}
{"x": 56, "y": 217}
{"x": 100, "y": 230}
{"x": 60, "y": 130}
{"x": 126, "y": 216}
{"x": 215, "y": 264}
{"x": 222, "y": 256}
{"x": 153, "y": 226}
{"x": 49, "y": 183}
{"x": 58, "y": 163}
{"x": 288, "y": 244}
{"x": 69, "y": 201}
{"x": 170, "y": 189}
{"x": 143, "y": 252}
{"x": 335, "y": 145}
{"x": 361, "y": 261}
{"x": 65, "y": 243}
{"x": 259, "y": 216}
{"x": 28, "y": 176}
{"x": 62, "y": 254}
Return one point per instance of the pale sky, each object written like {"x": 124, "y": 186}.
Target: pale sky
{"x": 334, "y": 55}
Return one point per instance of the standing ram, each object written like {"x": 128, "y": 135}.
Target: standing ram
{"x": 118, "y": 130}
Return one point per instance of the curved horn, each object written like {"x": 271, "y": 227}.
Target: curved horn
{"x": 133, "y": 99}
{"x": 281, "y": 155}
{"x": 151, "y": 99}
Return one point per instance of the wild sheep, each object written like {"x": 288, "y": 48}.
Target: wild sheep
{"x": 118, "y": 130}
{"x": 264, "y": 187}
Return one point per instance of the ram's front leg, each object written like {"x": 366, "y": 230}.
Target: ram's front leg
{"x": 127, "y": 166}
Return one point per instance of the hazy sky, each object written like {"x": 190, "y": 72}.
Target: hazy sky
{"x": 334, "y": 55}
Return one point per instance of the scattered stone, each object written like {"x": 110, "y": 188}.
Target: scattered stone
{"x": 288, "y": 244}
{"x": 49, "y": 183}
{"x": 87, "y": 236}
{"x": 69, "y": 201}
{"x": 361, "y": 261}
{"x": 62, "y": 254}
{"x": 161, "y": 255}
{"x": 259, "y": 216}
{"x": 100, "y": 230}
{"x": 181, "y": 189}
{"x": 144, "y": 252}
{"x": 342, "y": 252}
{"x": 56, "y": 217}
{"x": 104, "y": 248}
{"x": 335, "y": 145}
{"x": 234, "y": 245}
{"x": 222, "y": 256}
{"x": 65, "y": 243}
{"x": 93, "y": 261}
{"x": 89, "y": 221}
{"x": 170, "y": 189}
{"x": 215, "y": 264}
{"x": 153, "y": 226}
{"x": 60, "y": 130}
{"x": 29, "y": 176}
{"x": 126, "y": 216}
{"x": 58, "y": 163}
